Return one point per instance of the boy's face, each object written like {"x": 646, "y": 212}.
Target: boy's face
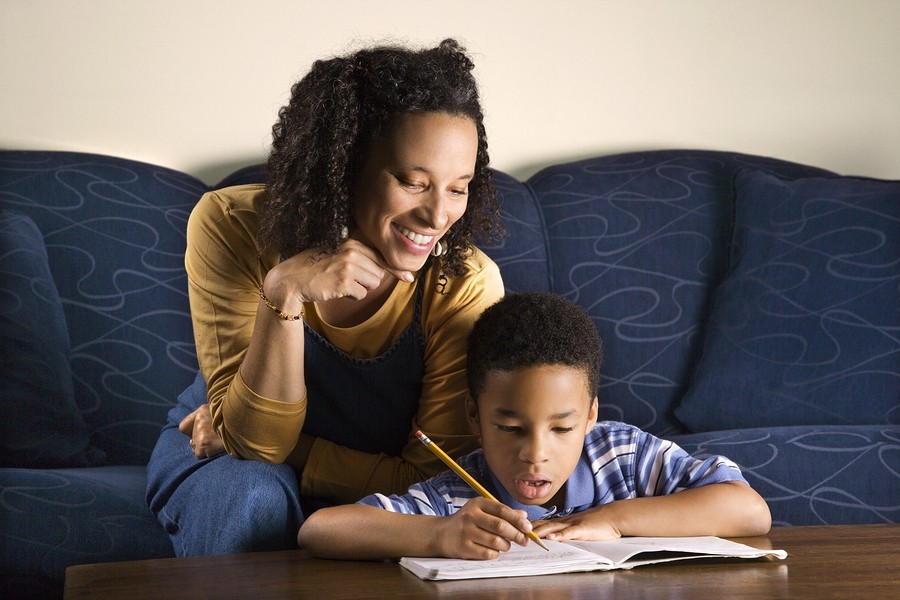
{"x": 533, "y": 422}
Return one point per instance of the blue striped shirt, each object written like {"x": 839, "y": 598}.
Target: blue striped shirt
{"x": 619, "y": 461}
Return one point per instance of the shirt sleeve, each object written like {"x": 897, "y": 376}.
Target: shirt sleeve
{"x": 225, "y": 268}
{"x": 662, "y": 467}
{"x": 417, "y": 501}
{"x": 346, "y": 475}
{"x": 441, "y": 496}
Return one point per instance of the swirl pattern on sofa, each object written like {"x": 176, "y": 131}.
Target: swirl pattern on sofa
{"x": 810, "y": 475}
{"x": 637, "y": 240}
{"x": 114, "y": 232}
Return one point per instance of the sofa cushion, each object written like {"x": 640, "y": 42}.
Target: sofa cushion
{"x": 522, "y": 253}
{"x": 41, "y": 425}
{"x": 638, "y": 240}
{"x": 814, "y": 475}
{"x": 804, "y": 329}
{"x": 115, "y": 235}
{"x": 53, "y": 518}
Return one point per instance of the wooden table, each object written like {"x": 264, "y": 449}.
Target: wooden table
{"x": 845, "y": 561}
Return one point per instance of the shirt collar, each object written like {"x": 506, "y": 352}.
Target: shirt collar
{"x": 580, "y": 493}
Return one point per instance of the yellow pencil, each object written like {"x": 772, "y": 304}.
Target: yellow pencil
{"x": 468, "y": 478}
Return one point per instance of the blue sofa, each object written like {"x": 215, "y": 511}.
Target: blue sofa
{"x": 749, "y": 307}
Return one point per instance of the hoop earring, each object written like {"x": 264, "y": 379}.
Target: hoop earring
{"x": 439, "y": 249}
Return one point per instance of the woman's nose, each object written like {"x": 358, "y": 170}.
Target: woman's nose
{"x": 434, "y": 210}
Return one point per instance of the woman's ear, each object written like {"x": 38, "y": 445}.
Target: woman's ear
{"x": 592, "y": 415}
{"x": 472, "y": 414}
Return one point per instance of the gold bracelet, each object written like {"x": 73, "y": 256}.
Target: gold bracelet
{"x": 281, "y": 315}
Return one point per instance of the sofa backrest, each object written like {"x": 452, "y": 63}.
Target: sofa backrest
{"x": 114, "y": 230}
{"x": 639, "y": 240}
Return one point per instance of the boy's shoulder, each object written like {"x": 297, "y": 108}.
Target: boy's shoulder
{"x": 473, "y": 463}
{"x": 609, "y": 435}
{"x": 614, "y": 427}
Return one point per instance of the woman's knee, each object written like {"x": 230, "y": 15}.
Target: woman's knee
{"x": 230, "y": 505}
{"x": 260, "y": 512}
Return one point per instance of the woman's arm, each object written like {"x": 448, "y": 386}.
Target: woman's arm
{"x": 225, "y": 268}
{"x": 253, "y": 360}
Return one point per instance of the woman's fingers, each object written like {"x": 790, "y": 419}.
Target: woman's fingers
{"x": 202, "y": 436}
{"x": 378, "y": 261}
{"x": 186, "y": 426}
{"x": 353, "y": 272}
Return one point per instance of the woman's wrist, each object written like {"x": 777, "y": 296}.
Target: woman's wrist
{"x": 280, "y": 292}
{"x": 278, "y": 312}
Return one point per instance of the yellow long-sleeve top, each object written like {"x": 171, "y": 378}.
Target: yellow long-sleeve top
{"x": 225, "y": 268}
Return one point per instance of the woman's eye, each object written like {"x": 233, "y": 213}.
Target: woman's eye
{"x": 508, "y": 428}
{"x": 459, "y": 192}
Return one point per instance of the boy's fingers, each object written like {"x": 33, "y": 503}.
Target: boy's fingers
{"x": 550, "y": 529}
{"x": 518, "y": 519}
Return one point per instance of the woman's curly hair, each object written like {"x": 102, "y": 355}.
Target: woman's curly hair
{"x": 323, "y": 136}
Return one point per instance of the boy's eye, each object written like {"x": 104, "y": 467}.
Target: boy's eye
{"x": 509, "y": 428}
{"x": 563, "y": 429}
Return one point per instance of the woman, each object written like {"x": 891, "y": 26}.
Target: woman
{"x": 379, "y": 184}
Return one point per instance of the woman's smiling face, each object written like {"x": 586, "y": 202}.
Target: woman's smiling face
{"x": 414, "y": 186}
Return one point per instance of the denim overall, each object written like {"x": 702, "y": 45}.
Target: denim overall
{"x": 224, "y": 505}
{"x": 366, "y": 404}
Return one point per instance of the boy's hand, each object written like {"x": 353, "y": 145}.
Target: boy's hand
{"x": 481, "y": 530}
{"x": 592, "y": 524}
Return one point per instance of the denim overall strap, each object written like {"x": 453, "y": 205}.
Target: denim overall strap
{"x": 366, "y": 404}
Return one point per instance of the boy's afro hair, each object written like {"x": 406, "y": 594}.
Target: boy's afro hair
{"x": 531, "y": 329}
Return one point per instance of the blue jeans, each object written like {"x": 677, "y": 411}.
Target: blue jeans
{"x": 224, "y": 505}
{"x": 219, "y": 505}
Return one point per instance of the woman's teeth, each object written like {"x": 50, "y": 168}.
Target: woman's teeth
{"x": 416, "y": 238}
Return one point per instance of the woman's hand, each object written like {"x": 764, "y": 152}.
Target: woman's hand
{"x": 481, "y": 530}
{"x": 204, "y": 441}
{"x": 314, "y": 276}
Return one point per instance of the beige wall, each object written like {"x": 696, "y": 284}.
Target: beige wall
{"x": 196, "y": 84}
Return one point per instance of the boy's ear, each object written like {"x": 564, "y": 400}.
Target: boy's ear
{"x": 592, "y": 415}
{"x": 472, "y": 414}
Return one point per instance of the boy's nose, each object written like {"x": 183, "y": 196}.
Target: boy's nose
{"x": 534, "y": 451}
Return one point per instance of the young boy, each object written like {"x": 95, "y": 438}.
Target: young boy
{"x": 533, "y": 370}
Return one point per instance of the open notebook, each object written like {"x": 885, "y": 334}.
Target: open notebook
{"x": 573, "y": 556}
